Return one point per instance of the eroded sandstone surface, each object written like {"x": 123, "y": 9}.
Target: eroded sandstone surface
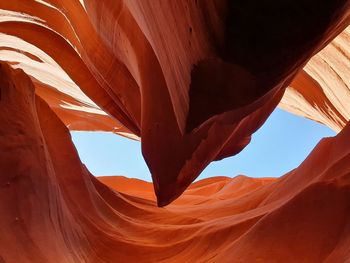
{"x": 193, "y": 80}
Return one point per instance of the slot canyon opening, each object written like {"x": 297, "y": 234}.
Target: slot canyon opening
{"x": 280, "y": 145}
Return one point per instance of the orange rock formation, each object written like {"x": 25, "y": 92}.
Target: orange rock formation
{"x": 321, "y": 91}
{"x": 193, "y": 80}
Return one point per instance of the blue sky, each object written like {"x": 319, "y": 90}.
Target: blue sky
{"x": 280, "y": 145}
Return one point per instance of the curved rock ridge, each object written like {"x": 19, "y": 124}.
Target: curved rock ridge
{"x": 192, "y": 79}
{"x": 321, "y": 91}
{"x": 54, "y": 210}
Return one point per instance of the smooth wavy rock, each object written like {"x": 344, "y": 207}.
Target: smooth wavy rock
{"x": 54, "y": 210}
{"x": 321, "y": 91}
{"x": 192, "y": 79}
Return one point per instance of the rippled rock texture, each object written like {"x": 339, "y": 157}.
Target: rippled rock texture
{"x": 193, "y": 80}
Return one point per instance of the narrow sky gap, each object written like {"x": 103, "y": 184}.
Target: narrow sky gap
{"x": 279, "y": 146}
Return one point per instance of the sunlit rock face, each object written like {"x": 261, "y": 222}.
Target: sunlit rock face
{"x": 321, "y": 91}
{"x": 54, "y": 210}
{"x": 193, "y": 80}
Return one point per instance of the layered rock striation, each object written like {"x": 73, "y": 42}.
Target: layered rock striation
{"x": 193, "y": 80}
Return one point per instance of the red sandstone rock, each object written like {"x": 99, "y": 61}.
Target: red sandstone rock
{"x": 193, "y": 80}
{"x": 53, "y": 210}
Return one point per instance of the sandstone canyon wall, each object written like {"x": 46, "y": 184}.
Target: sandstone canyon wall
{"x": 192, "y": 80}
{"x": 321, "y": 90}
